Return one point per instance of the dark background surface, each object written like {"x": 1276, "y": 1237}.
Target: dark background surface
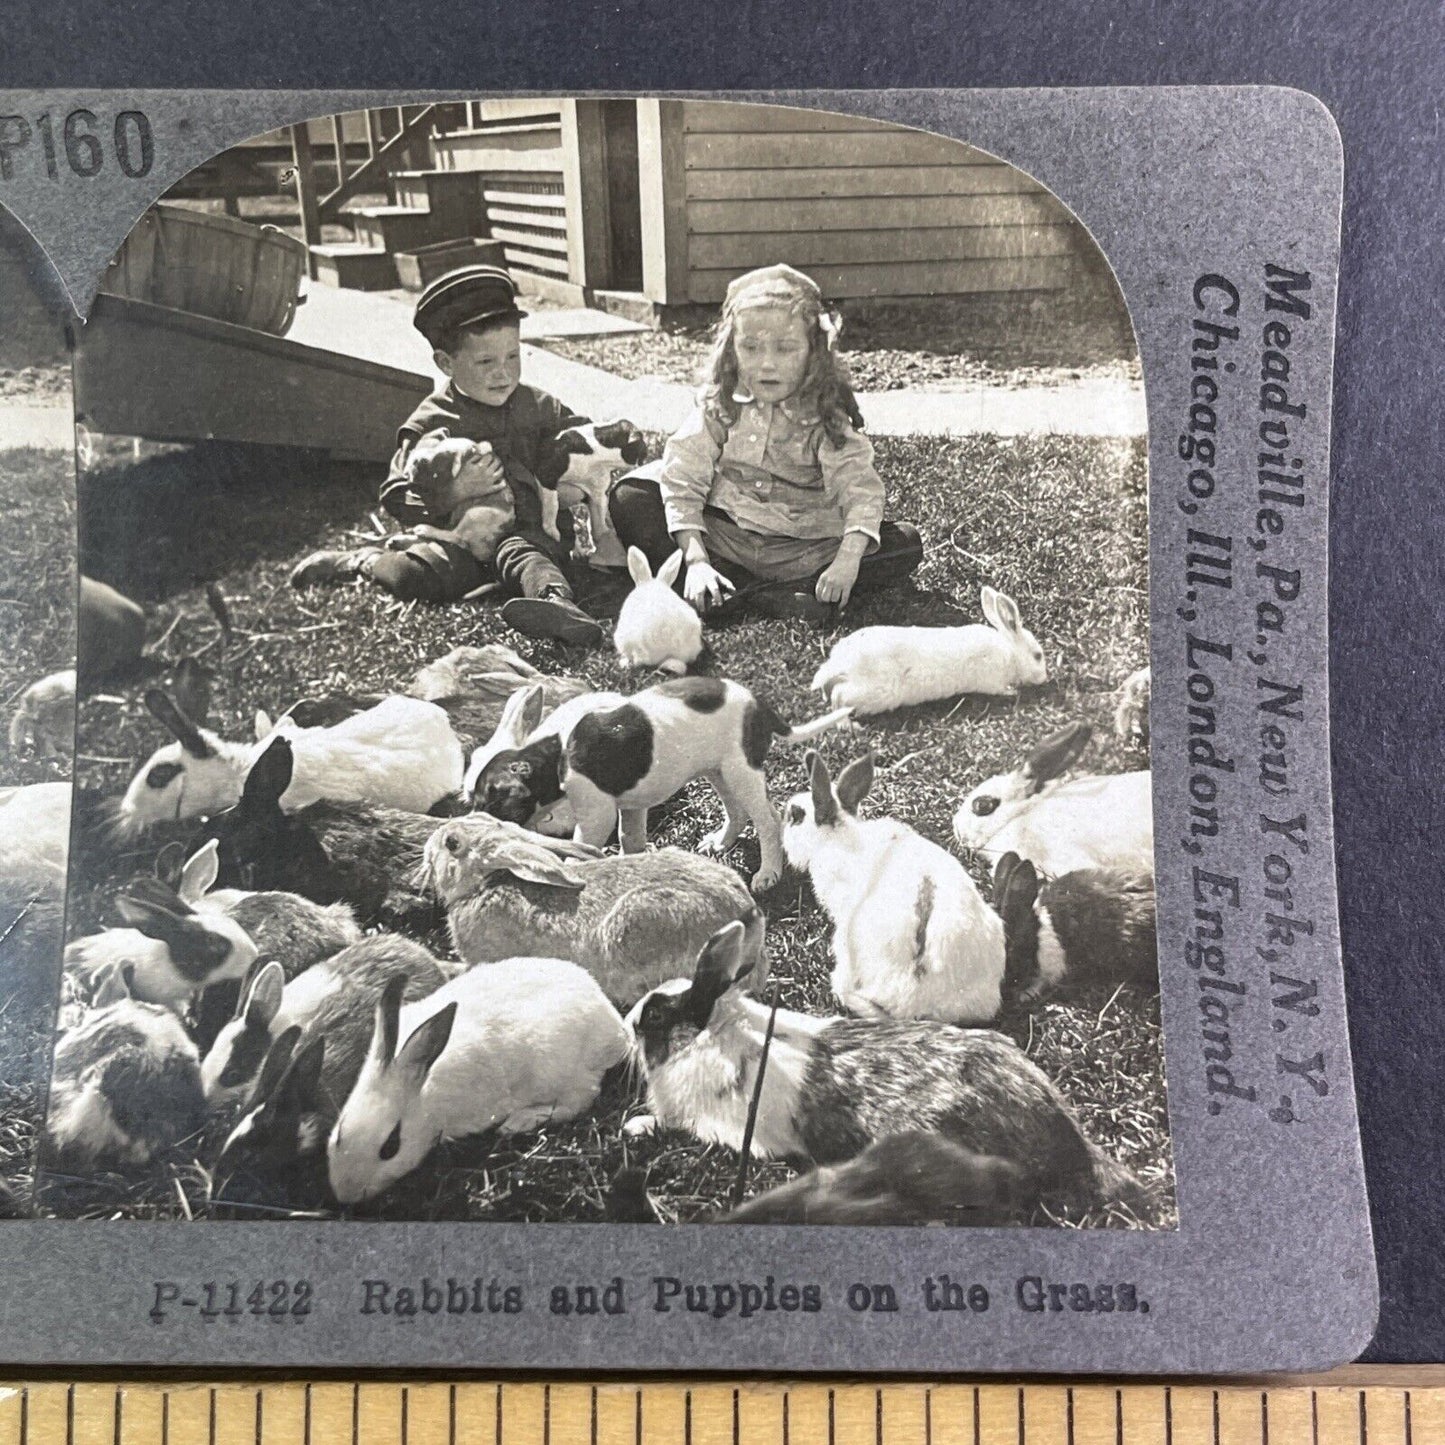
{"x": 1380, "y": 67}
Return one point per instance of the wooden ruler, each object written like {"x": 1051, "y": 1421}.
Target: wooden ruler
{"x": 1360, "y": 1407}
{"x": 1356, "y": 1408}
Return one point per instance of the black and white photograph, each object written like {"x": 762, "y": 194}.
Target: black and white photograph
{"x": 612, "y": 686}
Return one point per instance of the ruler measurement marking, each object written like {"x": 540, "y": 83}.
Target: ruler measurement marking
{"x": 594, "y": 1415}
{"x": 115, "y": 1428}
{"x": 1118, "y": 1417}
{"x": 1264, "y": 1417}
{"x": 1021, "y": 1416}
{"x": 1168, "y": 1416}
{"x": 1364, "y": 1421}
{"x": 70, "y": 1416}
{"x": 687, "y": 1419}
{"x": 1409, "y": 1434}
{"x": 1068, "y": 1415}
{"x": 927, "y": 1416}
{"x": 787, "y": 1400}
{"x": 546, "y": 1417}
{"x": 1314, "y": 1418}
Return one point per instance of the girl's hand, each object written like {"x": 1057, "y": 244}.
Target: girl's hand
{"x": 836, "y": 583}
{"x": 704, "y": 586}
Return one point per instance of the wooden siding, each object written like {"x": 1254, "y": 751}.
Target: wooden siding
{"x": 867, "y": 209}
{"x": 517, "y": 145}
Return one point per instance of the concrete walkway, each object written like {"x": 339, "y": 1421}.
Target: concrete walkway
{"x": 377, "y": 327}
{"x": 49, "y": 427}
{"x": 1084, "y": 408}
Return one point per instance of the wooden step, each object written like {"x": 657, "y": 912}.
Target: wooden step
{"x": 393, "y": 228}
{"x": 362, "y": 268}
{"x": 453, "y": 197}
{"x": 420, "y": 267}
{"x": 632, "y": 305}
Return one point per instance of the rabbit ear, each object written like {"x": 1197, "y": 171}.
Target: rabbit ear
{"x": 175, "y": 722}
{"x": 1057, "y": 753}
{"x": 198, "y": 876}
{"x": 721, "y": 964}
{"x": 169, "y": 865}
{"x": 193, "y": 689}
{"x": 510, "y": 848}
{"x": 520, "y": 716}
{"x": 263, "y": 998}
{"x": 115, "y": 986}
{"x": 1002, "y": 871}
{"x": 854, "y": 782}
{"x": 637, "y": 566}
{"x": 301, "y": 1082}
{"x": 1018, "y": 897}
{"x": 825, "y": 804}
{"x": 276, "y": 1064}
{"x": 427, "y": 1042}
{"x": 1006, "y": 613}
{"x": 988, "y": 600}
{"x": 269, "y": 776}
{"x": 667, "y": 574}
{"x": 264, "y": 726}
{"x": 388, "y": 1020}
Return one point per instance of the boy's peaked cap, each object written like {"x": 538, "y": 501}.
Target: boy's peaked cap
{"x": 464, "y": 297}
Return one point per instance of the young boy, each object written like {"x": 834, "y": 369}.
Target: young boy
{"x": 471, "y": 318}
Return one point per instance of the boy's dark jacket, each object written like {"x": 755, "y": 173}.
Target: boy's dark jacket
{"x": 522, "y": 432}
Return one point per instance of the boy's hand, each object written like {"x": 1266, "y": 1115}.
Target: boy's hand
{"x": 836, "y": 583}
{"x": 704, "y": 586}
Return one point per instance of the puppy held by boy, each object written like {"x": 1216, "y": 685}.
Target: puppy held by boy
{"x": 474, "y": 465}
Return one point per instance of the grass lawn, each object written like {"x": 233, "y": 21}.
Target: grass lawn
{"x": 1057, "y": 522}
{"x": 37, "y": 613}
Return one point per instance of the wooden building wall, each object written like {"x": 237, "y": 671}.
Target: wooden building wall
{"x": 866, "y": 209}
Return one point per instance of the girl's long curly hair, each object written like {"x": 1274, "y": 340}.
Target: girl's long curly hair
{"x": 825, "y": 383}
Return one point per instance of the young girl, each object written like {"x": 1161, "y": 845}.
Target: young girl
{"x": 769, "y": 487}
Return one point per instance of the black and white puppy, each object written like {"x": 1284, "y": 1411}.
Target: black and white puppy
{"x": 597, "y": 452}
{"x": 617, "y": 762}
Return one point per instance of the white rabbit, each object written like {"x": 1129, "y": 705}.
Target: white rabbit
{"x": 833, "y": 1086}
{"x": 125, "y": 1083}
{"x": 401, "y": 753}
{"x": 1058, "y": 824}
{"x": 173, "y": 951}
{"x": 1131, "y": 716}
{"x": 912, "y": 936}
{"x": 35, "y": 835}
{"x": 656, "y": 628}
{"x": 44, "y": 722}
{"x": 877, "y": 669}
{"x": 513, "y": 1045}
